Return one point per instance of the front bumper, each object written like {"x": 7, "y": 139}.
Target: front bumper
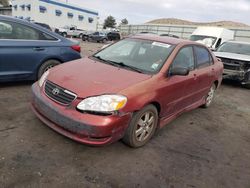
{"x": 243, "y": 76}
{"x": 84, "y": 128}
{"x": 234, "y": 73}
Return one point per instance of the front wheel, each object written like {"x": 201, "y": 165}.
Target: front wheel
{"x": 210, "y": 96}
{"x": 247, "y": 86}
{"x": 64, "y": 34}
{"x": 142, "y": 127}
{"x": 46, "y": 66}
{"x": 104, "y": 40}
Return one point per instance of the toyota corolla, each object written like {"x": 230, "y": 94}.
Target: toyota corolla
{"x": 127, "y": 90}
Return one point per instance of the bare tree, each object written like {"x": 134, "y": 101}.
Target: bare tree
{"x": 5, "y": 3}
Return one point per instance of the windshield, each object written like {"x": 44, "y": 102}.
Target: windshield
{"x": 146, "y": 56}
{"x": 238, "y": 48}
{"x": 207, "y": 40}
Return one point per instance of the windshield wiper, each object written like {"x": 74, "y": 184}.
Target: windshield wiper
{"x": 120, "y": 64}
{"x": 129, "y": 67}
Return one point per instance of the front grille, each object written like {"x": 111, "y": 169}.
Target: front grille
{"x": 58, "y": 93}
{"x": 231, "y": 64}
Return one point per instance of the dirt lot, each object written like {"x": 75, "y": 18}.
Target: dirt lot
{"x": 205, "y": 148}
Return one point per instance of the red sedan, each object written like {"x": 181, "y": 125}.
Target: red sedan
{"x": 127, "y": 90}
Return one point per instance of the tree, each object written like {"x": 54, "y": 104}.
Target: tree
{"x": 109, "y": 22}
{"x": 5, "y": 3}
{"x": 124, "y": 21}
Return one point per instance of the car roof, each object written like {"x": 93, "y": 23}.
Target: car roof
{"x": 238, "y": 42}
{"x": 163, "y": 39}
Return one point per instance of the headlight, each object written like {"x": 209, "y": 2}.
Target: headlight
{"x": 43, "y": 78}
{"x": 103, "y": 103}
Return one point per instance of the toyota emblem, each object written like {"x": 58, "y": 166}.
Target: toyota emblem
{"x": 55, "y": 91}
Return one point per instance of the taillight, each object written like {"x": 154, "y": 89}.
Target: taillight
{"x": 76, "y": 48}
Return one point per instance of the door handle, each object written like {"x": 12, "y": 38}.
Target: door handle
{"x": 38, "y": 49}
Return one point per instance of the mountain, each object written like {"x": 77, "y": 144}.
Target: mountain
{"x": 174, "y": 21}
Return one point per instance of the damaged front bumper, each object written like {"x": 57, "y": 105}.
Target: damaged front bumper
{"x": 84, "y": 128}
{"x": 241, "y": 75}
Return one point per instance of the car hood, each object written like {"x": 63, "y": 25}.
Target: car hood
{"x": 86, "y": 77}
{"x": 232, "y": 56}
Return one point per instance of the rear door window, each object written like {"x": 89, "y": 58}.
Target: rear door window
{"x": 203, "y": 57}
{"x": 12, "y": 30}
{"x": 5, "y": 30}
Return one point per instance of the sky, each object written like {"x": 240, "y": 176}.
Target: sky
{"x": 141, "y": 11}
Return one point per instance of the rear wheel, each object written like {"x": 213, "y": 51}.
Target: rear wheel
{"x": 142, "y": 127}
{"x": 210, "y": 96}
{"x": 46, "y": 66}
{"x": 80, "y": 36}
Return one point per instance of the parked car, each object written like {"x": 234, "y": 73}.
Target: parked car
{"x": 127, "y": 90}
{"x": 98, "y": 37}
{"x": 27, "y": 50}
{"x": 235, "y": 56}
{"x": 169, "y": 35}
{"x": 85, "y": 36}
{"x": 71, "y": 31}
{"x": 44, "y": 25}
{"x": 114, "y": 36}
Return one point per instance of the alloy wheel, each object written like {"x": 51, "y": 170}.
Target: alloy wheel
{"x": 210, "y": 96}
{"x": 145, "y": 126}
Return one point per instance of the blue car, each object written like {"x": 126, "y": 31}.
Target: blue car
{"x": 28, "y": 50}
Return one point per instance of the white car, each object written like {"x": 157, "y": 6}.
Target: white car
{"x": 235, "y": 56}
{"x": 71, "y": 31}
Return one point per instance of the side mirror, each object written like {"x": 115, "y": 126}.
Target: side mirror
{"x": 180, "y": 71}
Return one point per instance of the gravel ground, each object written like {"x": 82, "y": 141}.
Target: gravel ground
{"x": 204, "y": 148}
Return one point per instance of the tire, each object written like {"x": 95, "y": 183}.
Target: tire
{"x": 145, "y": 128}
{"x": 247, "y": 86}
{"x": 80, "y": 36}
{"x": 84, "y": 38}
{"x": 64, "y": 34}
{"x": 104, "y": 40}
{"x": 46, "y": 66}
{"x": 210, "y": 96}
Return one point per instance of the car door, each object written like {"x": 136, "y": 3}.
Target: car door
{"x": 21, "y": 51}
{"x": 179, "y": 90}
{"x": 70, "y": 32}
{"x": 205, "y": 71}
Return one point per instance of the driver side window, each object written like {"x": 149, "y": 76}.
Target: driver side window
{"x": 184, "y": 59}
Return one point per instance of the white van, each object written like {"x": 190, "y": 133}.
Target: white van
{"x": 212, "y": 37}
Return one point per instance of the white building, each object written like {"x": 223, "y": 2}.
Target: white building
{"x": 55, "y": 13}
